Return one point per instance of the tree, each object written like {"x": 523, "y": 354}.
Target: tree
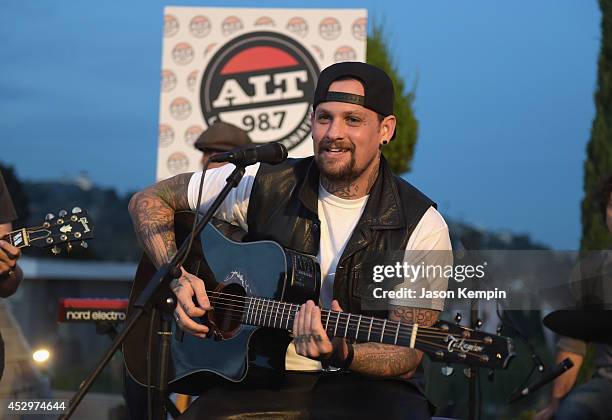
{"x": 399, "y": 152}
{"x": 598, "y": 164}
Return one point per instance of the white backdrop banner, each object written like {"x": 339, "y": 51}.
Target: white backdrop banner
{"x": 254, "y": 68}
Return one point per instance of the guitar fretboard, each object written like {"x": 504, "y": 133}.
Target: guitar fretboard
{"x": 269, "y": 313}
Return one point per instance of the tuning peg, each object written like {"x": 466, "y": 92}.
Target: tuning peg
{"x": 447, "y": 370}
{"x": 491, "y": 375}
{"x": 478, "y": 324}
{"x": 62, "y": 213}
{"x": 499, "y": 329}
{"x": 76, "y": 210}
{"x": 56, "y": 250}
{"x": 84, "y": 244}
{"x": 467, "y": 372}
{"x": 68, "y": 247}
{"x": 458, "y": 318}
{"x": 50, "y": 216}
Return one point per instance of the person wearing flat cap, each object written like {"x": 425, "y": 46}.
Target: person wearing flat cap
{"x": 345, "y": 207}
{"x": 220, "y": 137}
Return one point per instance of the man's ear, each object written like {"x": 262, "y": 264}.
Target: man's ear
{"x": 387, "y": 128}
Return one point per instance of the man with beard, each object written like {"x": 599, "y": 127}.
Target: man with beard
{"x": 343, "y": 205}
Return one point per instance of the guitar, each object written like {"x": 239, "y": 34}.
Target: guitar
{"x": 55, "y": 231}
{"x": 255, "y": 289}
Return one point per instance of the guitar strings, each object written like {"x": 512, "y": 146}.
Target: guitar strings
{"x": 377, "y": 325}
{"x": 400, "y": 336}
{"x": 264, "y": 300}
{"x": 419, "y": 339}
{"x": 270, "y": 312}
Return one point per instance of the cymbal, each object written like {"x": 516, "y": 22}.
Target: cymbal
{"x": 594, "y": 325}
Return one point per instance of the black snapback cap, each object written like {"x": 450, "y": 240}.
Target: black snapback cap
{"x": 377, "y": 85}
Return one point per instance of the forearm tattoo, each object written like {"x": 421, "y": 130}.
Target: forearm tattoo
{"x": 152, "y": 211}
{"x": 384, "y": 359}
{"x": 387, "y": 360}
{"x": 423, "y": 317}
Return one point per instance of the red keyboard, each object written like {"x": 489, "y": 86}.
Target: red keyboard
{"x": 91, "y": 310}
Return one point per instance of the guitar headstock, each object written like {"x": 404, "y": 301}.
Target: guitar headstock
{"x": 452, "y": 343}
{"x": 55, "y": 231}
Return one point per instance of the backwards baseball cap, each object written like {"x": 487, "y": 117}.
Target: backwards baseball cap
{"x": 378, "y": 87}
{"x": 222, "y": 137}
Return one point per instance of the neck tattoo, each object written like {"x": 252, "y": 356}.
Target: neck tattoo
{"x": 350, "y": 190}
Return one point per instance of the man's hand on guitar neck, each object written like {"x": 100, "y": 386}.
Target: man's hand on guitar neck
{"x": 185, "y": 288}
{"x": 310, "y": 338}
{"x": 10, "y": 273}
{"x": 9, "y": 255}
{"x": 374, "y": 359}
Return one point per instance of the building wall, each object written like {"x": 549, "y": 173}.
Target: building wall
{"x": 75, "y": 347}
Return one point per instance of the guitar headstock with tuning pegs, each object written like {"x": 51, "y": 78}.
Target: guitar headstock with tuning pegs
{"x": 65, "y": 228}
{"x": 452, "y": 343}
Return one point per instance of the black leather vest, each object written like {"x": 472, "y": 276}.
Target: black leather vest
{"x": 283, "y": 207}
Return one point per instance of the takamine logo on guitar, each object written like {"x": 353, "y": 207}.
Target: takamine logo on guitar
{"x": 461, "y": 345}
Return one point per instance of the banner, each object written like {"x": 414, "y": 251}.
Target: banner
{"x": 254, "y": 68}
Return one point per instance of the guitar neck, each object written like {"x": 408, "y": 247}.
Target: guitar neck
{"x": 269, "y": 313}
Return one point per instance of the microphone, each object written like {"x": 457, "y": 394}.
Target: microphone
{"x": 271, "y": 153}
{"x": 550, "y": 376}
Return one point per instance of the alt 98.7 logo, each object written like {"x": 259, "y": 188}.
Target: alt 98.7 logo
{"x": 263, "y": 82}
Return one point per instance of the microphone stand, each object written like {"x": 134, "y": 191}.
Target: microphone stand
{"x": 157, "y": 294}
{"x": 473, "y": 372}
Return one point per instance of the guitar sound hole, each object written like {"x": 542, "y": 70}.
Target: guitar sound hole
{"x": 229, "y": 307}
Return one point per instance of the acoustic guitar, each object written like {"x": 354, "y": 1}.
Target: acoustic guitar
{"x": 255, "y": 289}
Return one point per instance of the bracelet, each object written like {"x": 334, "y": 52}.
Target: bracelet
{"x": 349, "y": 357}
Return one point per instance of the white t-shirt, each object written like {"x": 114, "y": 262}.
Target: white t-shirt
{"x": 338, "y": 218}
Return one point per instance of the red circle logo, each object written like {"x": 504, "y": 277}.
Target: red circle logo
{"x": 230, "y": 25}
{"x": 199, "y": 26}
{"x": 264, "y": 83}
{"x": 166, "y": 135}
{"x": 192, "y": 134}
{"x": 330, "y": 28}
{"x": 168, "y": 80}
{"x": 298, "y": 26}
{"x": 177, "y": 163}
{"x": 182, "y": 53}
{"x": 345, "y": 53}
{"x": 180, "y": 108}
{"x": 360, "y": 28}
{"x": 264, "y": 21}
{"x": 171, "y": 26}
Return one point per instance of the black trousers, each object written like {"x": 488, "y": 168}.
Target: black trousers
{"x": 299, "y": 396}
{"x": 314, "y": 396}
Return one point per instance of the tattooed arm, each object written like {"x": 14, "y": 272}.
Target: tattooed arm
{"x": 387, "y": 360}
{"x": 152, "y": 211}
{"x": 375, "y": 359}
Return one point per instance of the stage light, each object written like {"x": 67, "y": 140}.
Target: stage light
{"x": 41, "y": 355}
